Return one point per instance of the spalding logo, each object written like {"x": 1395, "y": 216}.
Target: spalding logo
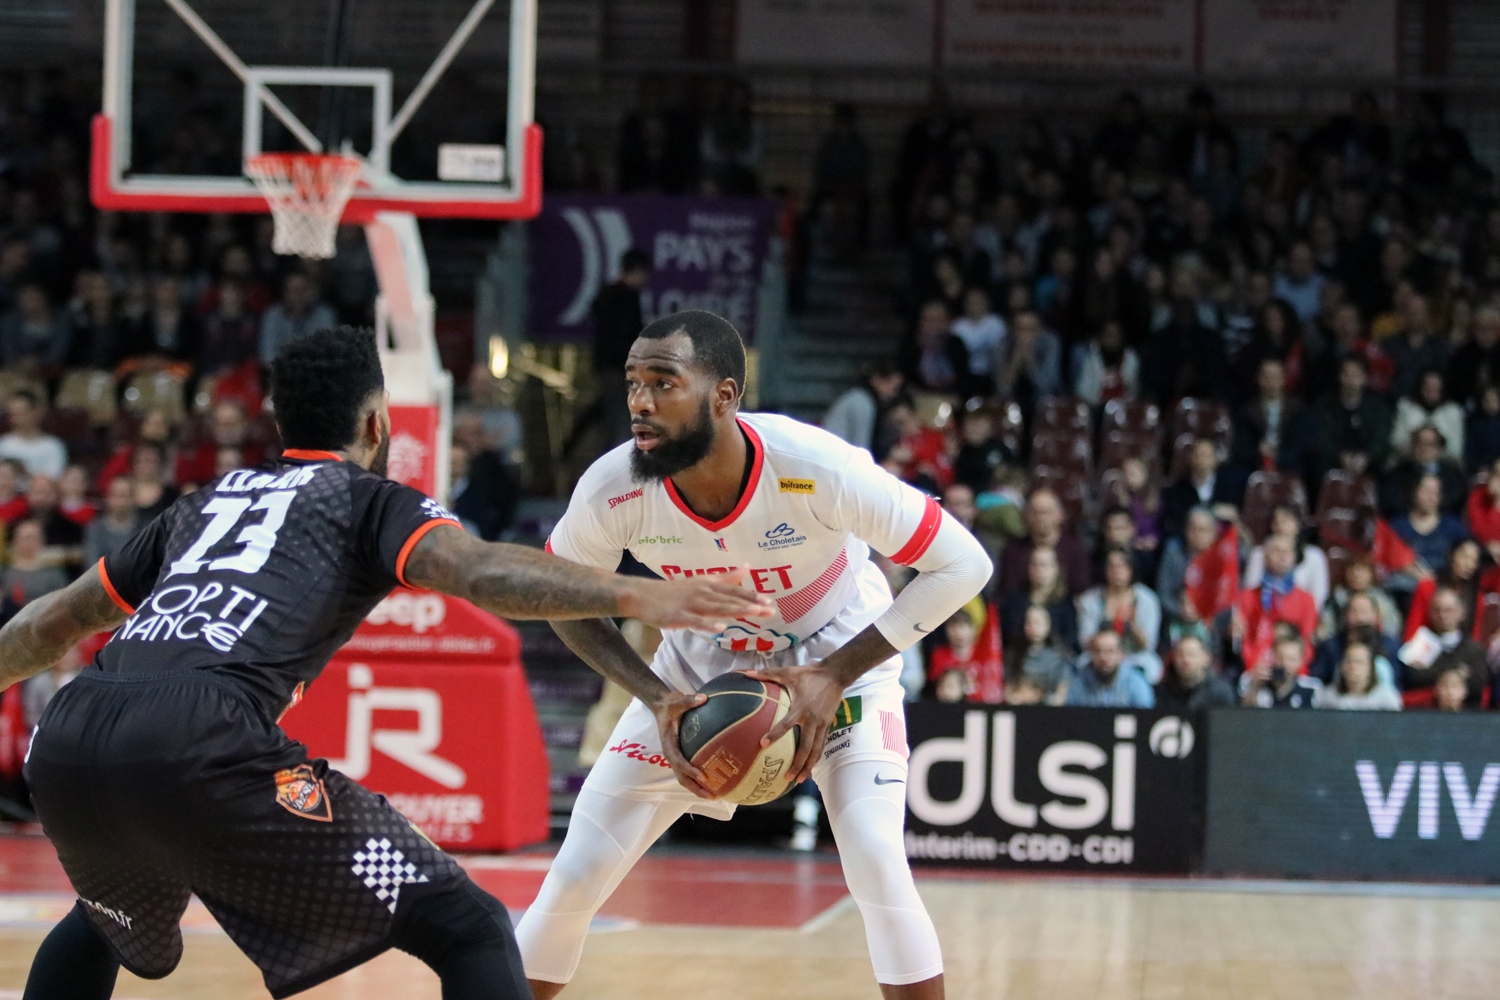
{"x": 1171, "y": 737}
{"x": 419, "y": 612}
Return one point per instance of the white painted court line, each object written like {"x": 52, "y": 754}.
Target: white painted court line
{"x": 1248, "y": 886}
{"x": 828, "y": 916}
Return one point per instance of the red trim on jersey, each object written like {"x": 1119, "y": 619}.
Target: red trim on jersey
{"x": 414, "y": 538}
{"x": 114, "y": 595}
{"x": 794, "y": 606}
{"x": 548, "y": 546}
{"x": 921, "y": 539}
{"x": 310, "y": 455}
{"x": 755, "y": 465}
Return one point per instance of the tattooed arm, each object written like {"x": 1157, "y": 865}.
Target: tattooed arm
{"x": 49, "y": 626}
{"x": 519, "y": 582}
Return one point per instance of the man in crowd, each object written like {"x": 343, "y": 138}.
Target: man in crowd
{"x": 1428, "y": 458}
{"x": 41, "y": 453}
{"x": 1279, "y": 681}
{"x": 1445, "y": 616}
{"x": 1206, "y": 484}
{"x": 299, "y": 313}
{"x": 616, "y": 313}
{"x": 1101, "y": 682}
{"x": 1044, "y": 529}
{"x": 1361, "y": 619}
{"x": 1190, "y": 684}
{"x": 1352, "y": 419}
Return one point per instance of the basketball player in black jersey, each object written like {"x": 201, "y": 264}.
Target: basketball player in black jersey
{"x": 160, "y": 770}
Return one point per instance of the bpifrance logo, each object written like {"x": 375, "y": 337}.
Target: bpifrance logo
{"x": 804, "y": 486}
{"x": 299, "y": 791}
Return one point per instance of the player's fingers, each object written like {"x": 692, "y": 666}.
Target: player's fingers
{"x": 688, "y": 776}
{"x": 808, "y": 749}
{"x": 732, "y": 605}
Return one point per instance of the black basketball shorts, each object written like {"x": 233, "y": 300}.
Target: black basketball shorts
{"x": 159, "y": 786}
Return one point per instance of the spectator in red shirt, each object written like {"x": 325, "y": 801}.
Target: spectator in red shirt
{"x": 73, "y": 489}
{"x": 230, "y": 428}
{"x": 1484, "y": 512}
{"x": 13, "y": 505}
{"x": 155, "y": 429}
{"x": 921, "y": 455}
{"x": 1259, "y": 609}
{"x": 967, "y": 652}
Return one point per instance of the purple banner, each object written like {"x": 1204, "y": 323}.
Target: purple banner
{"x": 706, "y": 254}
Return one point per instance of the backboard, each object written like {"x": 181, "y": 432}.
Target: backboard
{"x": 256, "y": 45}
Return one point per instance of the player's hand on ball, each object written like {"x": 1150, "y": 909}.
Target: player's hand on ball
{"x": 705, "y": 603}
{"x": 816, "y": 694}
{"x": 669, "y": 709}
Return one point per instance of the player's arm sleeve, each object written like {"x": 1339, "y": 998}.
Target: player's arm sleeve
{"x": 129, "y": 572}
{"x": 397, "y": 517}
{"x": 583, "y": 537}
{"x": 910, "y": 528}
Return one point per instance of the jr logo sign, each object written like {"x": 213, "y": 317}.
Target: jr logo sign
{"x": 412, "y": 747}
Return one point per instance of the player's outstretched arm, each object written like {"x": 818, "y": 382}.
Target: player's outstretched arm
{"x": 518, "y": 582}
{"x": 49, "y": 626}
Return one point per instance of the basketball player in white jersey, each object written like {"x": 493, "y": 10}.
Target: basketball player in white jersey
{"x": 703, "y": 489}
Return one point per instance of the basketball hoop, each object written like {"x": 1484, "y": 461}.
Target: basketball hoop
{"x": 307, "y": 193}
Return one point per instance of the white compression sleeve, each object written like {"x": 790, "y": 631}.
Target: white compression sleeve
{"x": 952, "y": 570}
{"x": 606, "y": 837}
{"x": 867, "y": 819}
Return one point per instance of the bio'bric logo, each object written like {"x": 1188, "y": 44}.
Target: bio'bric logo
{"x": 782, "y": 530}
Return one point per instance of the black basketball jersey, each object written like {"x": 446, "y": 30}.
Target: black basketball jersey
{"x": 262, "y": 575}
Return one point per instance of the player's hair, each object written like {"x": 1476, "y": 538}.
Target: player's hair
{"x": 319, "y": 384}
{"x": 717, "y": 347}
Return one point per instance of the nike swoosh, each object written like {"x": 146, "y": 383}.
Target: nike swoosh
{"x": 888, "y": 781}
{"x": 919, "y": 628}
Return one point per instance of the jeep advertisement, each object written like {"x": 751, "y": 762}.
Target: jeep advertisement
{"x": 1033, "y": 787}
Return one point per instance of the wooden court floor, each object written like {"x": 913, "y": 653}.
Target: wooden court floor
{"x": 741, "y": 928}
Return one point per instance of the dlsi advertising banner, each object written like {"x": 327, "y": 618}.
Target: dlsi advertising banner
{"x": 1038, "y": 787}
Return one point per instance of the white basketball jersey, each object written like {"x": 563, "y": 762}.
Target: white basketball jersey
{"x": 813, "y": 508}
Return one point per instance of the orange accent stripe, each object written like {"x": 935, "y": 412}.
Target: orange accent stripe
{"x": 109, "y": 588}
{"x": 413, "y": 539}
{"x": 745, "y": 498}
{"x": 310, "y": 455}
{"x": 921, "y": 539}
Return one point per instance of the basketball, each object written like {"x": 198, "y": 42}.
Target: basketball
{"x": 722, "y": 738}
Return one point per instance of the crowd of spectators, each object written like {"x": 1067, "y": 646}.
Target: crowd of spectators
{"x": 1228, "y": 423}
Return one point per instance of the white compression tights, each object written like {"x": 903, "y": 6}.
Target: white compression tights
{"x": 608, "y": 834}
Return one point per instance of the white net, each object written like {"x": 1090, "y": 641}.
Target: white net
{"x": 307, "y": 193}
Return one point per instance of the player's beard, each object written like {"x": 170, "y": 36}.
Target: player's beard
{"x": 676, "y": 453}
{"x": 382, "y": 456}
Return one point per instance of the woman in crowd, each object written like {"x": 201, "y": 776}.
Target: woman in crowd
{"x": 154, "y": 428}
{"x": 1311, "y": 573}
{"x": 1036, "y": 661}
{"x": 1429, "y": 406}
{"x": 1450, "y": 691}
{"x": 1199, "y": 533}
{"x": 1357, "y": 688}
{"x": 1127, "y": 608}
{"x": 1460, "y": 573}
{"x": 1046, "y": 588}
{"x": 1427, "y": 531}
{"x": 148, "y": 469}
{"x": 1105, "y": 368}
{"x": 1359, "y": 578}
{"x": 1136, "y": 492}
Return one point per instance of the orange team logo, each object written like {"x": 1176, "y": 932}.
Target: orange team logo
{"x": 300, "y": 792}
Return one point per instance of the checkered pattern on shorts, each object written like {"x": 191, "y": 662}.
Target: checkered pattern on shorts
{"x": 385, "y": 869}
